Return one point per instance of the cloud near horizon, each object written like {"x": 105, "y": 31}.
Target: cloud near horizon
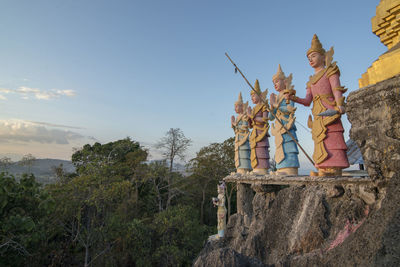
{"x": 27, "y": 93}
{"x": 55, "y": 125}
{"x": 27, "y": 132}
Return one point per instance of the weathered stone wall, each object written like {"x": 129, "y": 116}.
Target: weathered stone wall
{"x": 374, "y": 113}
{"x": 286, "y": 222}
{"x": 327, "y": 226}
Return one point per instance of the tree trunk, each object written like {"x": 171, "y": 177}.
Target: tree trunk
{"x": 160, "y": 208}
{"x": 203, "y": 201}
{"x": 86, "y": 256}
{"x": 87, "y": 244}
{"x": 202, "y": 207}
{"x": 136, "y": 197}
{"x": 171, "y": 164}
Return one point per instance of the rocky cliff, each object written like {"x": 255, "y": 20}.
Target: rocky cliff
{"x": 326, "y": 224}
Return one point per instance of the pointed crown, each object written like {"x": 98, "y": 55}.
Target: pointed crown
{"x": 256, "y": 89}
{"x": 316, "y": 46}
{"x": 240, "y": 99}
{"x": 280, "y": 75}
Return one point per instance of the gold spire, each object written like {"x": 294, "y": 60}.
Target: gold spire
{"x": 240, "y": 99}
{"x": 316, "y": 46}
{"x": 385, "y": 26}
{"x": 279, "y": 74}
{"x": 256, "y": 89}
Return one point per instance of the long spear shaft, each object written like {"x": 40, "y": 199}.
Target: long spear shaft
{"x": 266, "y": 105}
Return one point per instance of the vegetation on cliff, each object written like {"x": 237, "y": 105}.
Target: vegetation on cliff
{"x": 114, "y": 210}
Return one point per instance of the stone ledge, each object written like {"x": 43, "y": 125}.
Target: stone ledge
{"x": 296, "y": 180}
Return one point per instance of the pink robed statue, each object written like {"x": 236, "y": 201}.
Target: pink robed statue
{"x": 326, "y": 94}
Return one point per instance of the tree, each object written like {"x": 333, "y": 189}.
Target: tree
{"x": 211, "y": 164}
{"x": 5, "y": 163}
{"x": 157, "y": 174}
{"x": 174, "y": 144}
{"x": 24, "y": 210}
{"x": 27, "y": 160}
{"x": 86, "y": 204}
{"x": 179, "y": 236}
{"x": 123, "y": 156}
{"x": 60, "y": 172}
{"x": 102, "y": 196}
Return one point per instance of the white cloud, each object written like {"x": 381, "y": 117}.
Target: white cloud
{"x": 5, "y": 90}
{"x": 66, "y": 92}
{"x": 27, "y": 93}
{"x": 2, "y": 97}
{"x": 27, "y": 90}
{"x": 55, "y": 125}
{"x": 28, "y": 132}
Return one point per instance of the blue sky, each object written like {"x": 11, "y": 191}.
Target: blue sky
{"x": 73, "y": 72}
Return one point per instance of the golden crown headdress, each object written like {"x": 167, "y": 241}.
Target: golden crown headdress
{"x": 240, "y": 99}
{"x": 280, "y": 75}
{"x": 316, "y": 46}
{"x": 257, "y": 89}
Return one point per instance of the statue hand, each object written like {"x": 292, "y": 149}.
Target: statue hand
{"x": 272, "y": 99}
{"x": 249, "y": 111}
{"x": 233, "y": 120}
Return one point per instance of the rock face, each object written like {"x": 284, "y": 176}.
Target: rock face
{"x": 326, "y": 225}
{"x": 375, "y": 117}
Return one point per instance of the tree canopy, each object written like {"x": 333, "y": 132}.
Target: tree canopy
{"x": 117, "y": 209}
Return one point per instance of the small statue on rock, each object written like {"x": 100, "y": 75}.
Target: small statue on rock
{"x": 258, "y": 120}
{"x": 286, "y": 153}
{"x": 221, "y": 212}
{"x": 326, "y": 93}
{"x": 241, "y": 127}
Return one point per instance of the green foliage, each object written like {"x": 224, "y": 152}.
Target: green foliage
{"x": 122, "y": 157}
{"x": 116, "y": 210}
{"x": 211, "y": 164}
{"x": 24, "y": 208}
{"x": 5, "y": 163}
{"x": 134, "y": 243}
{"x": 81, "y": 211}
{"x": 179, "y": 236}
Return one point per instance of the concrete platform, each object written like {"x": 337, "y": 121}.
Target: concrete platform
{"x": 296, "y": 180}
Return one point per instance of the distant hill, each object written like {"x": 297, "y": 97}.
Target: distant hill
{"x": 41, "y": 168}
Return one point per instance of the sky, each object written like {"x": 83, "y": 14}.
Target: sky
{"x": 76, "y": 72}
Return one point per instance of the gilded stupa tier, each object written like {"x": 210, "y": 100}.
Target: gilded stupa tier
{"x": 386, "y": 25}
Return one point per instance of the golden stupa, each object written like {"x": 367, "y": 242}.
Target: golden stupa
{"x": 385, "y": 25}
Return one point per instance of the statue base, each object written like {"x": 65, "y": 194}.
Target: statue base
{"x": 287, "y": 172}
{"x": 259, "y": 171}
{"x": 242, "y": 170}
{"x": 327, "y": 172}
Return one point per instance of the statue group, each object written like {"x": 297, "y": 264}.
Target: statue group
{"x": 251, "y": 125}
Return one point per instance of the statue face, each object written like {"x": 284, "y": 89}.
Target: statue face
{"x": 279, "y": 85}
{"x": 220, "y": 190}
{"x": 316, "y": 60}
{"x": 238, "y": 108}
{"x": 255, "y": 99}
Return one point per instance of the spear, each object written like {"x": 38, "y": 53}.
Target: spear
{"x": 266, "y": 105}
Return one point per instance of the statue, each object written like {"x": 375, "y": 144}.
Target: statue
{"x": 326, "y": 93}
{"x": 286, "y": 154}
{"x": 221, "y": 212}
{"x": 258, "y": 120}
{"x": 241, "y": 127}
